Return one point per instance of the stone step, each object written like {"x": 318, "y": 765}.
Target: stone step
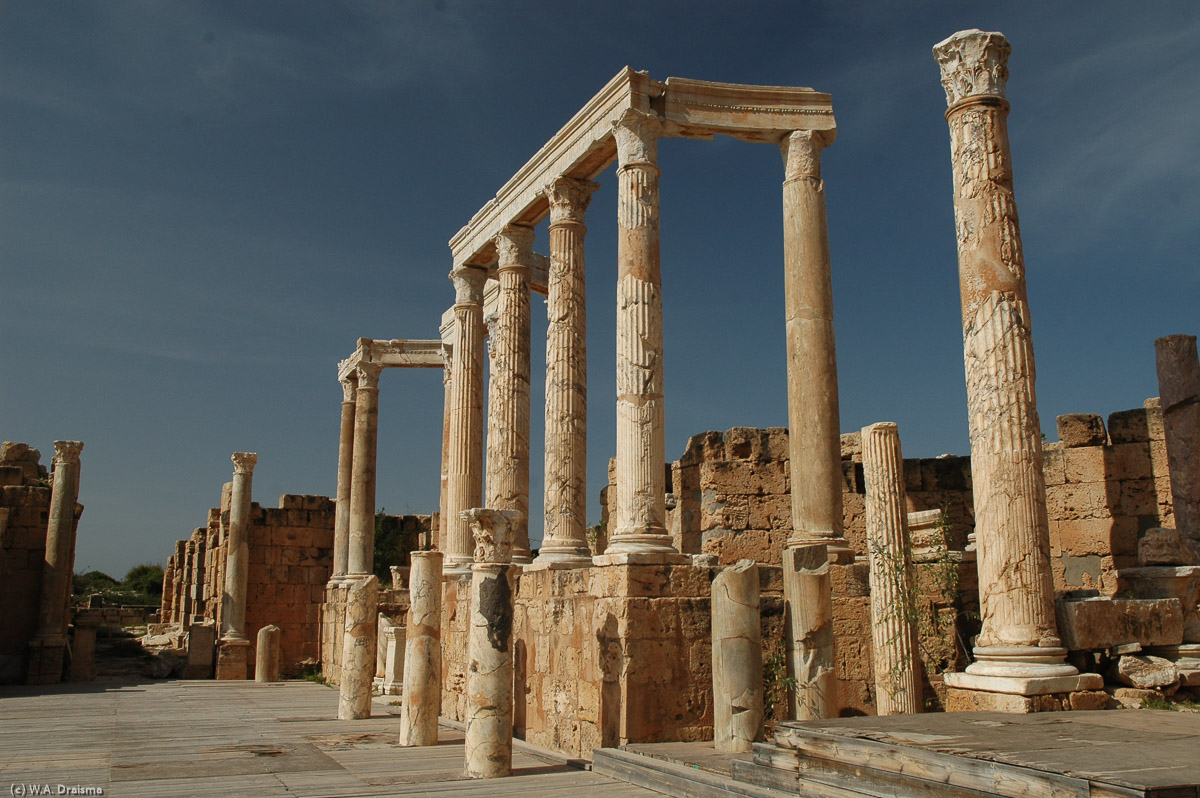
{"x": 679, "y": 780}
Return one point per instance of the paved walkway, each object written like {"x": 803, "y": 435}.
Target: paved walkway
{"x": 208, "y": 738}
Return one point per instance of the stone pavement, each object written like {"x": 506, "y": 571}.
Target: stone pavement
{"x": 215, "y": 738}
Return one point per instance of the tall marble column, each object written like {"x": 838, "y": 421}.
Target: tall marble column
{"x": 508, "y": 390}
{"x": 488, "y": 739}
{"x": 893, "y": 633}
{"x": 180, "y": 582}
{"x": 422, "y": 694}
{"x": 464, "y": 469}
{"x": 447, "y": 382}
{"x": 360, "y": 555}
{"x": 47, "y": 648}
{"x": 234, "y": 646}
{"x": 565, "y": 506}
{"x": 814, "y": 439}
{"x": 345, "y": 471}
{"x": 640, "y": 533}
{"x": 1179, "y": 393}
{"x": 1019, "y": 637}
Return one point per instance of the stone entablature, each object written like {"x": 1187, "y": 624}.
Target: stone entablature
{"x": 584, "y": 147}
{"x": 396, "y": 353}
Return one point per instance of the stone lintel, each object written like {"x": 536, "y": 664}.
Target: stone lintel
{"x": 396, "y": 353}
{"x": 1017, "y": 685}
{"x": 584, "y": 147}
{"x": 1160, "y": 572}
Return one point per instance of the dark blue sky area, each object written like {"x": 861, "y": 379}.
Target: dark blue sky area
{"x": 204, "y": 205}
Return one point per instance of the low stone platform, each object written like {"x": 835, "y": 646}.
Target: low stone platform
{"x": 210, "y": 738}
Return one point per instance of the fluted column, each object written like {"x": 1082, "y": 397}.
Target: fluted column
{"x": 814, "y": 438}
{"x": 464, "y": 470}
{"x": 508, "y": 389}
{"x": 234, "y": 645}
{"x": 341, "y": 518}
{"x": 48, "y": 645}
{"x": 447, "y": 398}
{"x": 1019, "y": 637}
{"x": 360, "y": 555}
{"x": 814, "y": 441}
{"x": 565, "y": 507}
{"x": 893, "y": 634}
{"x": 1179, "y": 393}
{"x": 640, "y": 528}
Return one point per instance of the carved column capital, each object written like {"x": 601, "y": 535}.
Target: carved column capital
{"x": 801, "y": 151}
{"x": 244, "y": 462}
{"x": 569, "y": 199}
{"x": 636, "y": 133}
{"x": 973, "y": 64}
{"x": 492, "y": 530}
{"x": 468, "y": 285}
{"x": 349, "y": 386}
{"x": 67, "y": 452}
{"x": 514, "y": 246}
{"x": 368, "y": 375}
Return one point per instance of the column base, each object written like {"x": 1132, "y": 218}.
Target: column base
{"x": 561, "y": 557}
{"x": 1021, "y": 662}
{"x": 671, "y": 557}
{"x": 1024, "y": 685}
{"x": 232, "y": 657}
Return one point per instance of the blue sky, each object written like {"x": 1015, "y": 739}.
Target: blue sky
{"x": 204, "y": 205}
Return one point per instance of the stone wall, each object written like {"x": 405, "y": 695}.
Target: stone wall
{"x": 24, "y": 516}
{"x": 605, "y": 656}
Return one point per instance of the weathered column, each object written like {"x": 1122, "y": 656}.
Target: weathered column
{"x": 447, "y": 355}
{"x": 166, "y": 608}
{"x": 809, "y": 642}
{"x": 737, "y": 658}
{"x": 1019, "y": 637}
{"x": 266, "y": 654}
{"x": 1179, "y": 393}
{"x": 423, "y": 651}
{"x": 393, "y": 661}
{"x": 345, "y": 476}
{"x": 47, "y": 648}
{"x": 189, "y": 571}
{"x": 234, "y": 646}
{"x": 358, "y": 649}
{"x": 382, "y": 624}
{"x": 180, "y": 567}
{"x": 488, "y": 740}
{"x": 83, "y": 646}
{"x": 464, "y": 471}
{"x": 640, "y": 532}
{"x": 814, "y": 439}
{"x": 893, "y": 634}
{"x": 508, "y": 390}
{"x": 565, "y": 537}
{"x": 360, "y": 555}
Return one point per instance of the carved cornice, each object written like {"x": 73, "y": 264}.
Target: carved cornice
{"x": 636, "y": 133}
{"x": 973, "y": 64}
{"x": 368, "y": 375}
{"x": 67, "y": 452}
{"x": 802, "y": 154}
{"x": 244, "y": 462}
{"x": 514, "y": 247}
{"x": 468, "y": 285}
{"x": 569, "y": 199}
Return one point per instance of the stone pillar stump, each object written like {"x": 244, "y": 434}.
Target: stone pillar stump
{"x": 358, "y": 649}
{"x": 423, "y": 651}
{"x": 266, "y": 655}
{"x": 737, "y": 658}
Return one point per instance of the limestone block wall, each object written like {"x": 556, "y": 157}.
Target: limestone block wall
{"x": 605, "y": 656}
{"x": 24, "y": 516}
{"x": 1105, "y": 486}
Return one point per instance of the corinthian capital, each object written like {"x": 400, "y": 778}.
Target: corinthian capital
{"x": 468, "y": 285}
{"x": 492, "y": 530}
{"x": 514, "y": 246}
{"x": 636, "y": 133}
{"x": 67, "y": 452}
{"x": 801, "y": 154}
{"x": 569, "y": 199}
{"x": 973, "y": 64}
{"x": 349, "y": 386}
{"x": 368, "y": 375}
{"x": 243, "y": 462}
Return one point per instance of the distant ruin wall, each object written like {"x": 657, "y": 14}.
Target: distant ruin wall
{"x": 24, "y": 516}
